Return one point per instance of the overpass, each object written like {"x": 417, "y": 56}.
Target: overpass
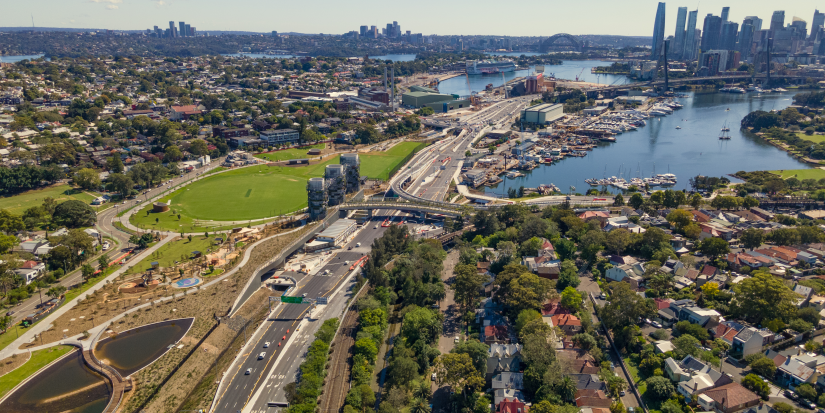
{"x": 442, "y": 208}
{"x": 726, "y": 78}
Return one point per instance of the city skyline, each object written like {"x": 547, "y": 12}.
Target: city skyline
{"x": 611, "y": 17}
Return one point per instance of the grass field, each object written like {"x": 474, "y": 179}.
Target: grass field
{"x": 39, "y": 359}
{"x": 812, "y": 138}
{"x": 813, "y": 173}
{"x": 289, "y": 153}
{"x": 16, "y": 204}
{"x": 173, "y": 251}
{"x": 254, "y": 193}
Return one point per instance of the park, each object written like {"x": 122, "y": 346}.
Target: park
{"x": 250, "y": 195}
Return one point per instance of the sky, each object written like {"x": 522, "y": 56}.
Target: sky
{"x": 444, "y": 17}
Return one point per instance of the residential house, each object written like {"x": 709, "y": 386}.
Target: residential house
{"x": 793, "y": 372}
{"x": 512, "y": 406}
{"x": 496, "y": 334}
{"x": 504, "y": 395}
{"x": 688, "y": 310}
{"x": 184, "y": 112}
{"x": 729, "y": 398}
{"x": 631, "y": 274}
{"x": 592, "y": 398}
{"x": 31, "y": 270}
{"x": 508, "y": 380}
{"x": 568, "y": 323}
{"x": 805, "y": 294}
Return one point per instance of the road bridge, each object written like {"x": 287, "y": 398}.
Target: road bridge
{"x": 761, "y": 79}
{"x": 550, "y": 42}
{"x": 442, "y": 208}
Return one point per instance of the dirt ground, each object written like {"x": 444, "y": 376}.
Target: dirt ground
{"x": 203, "y": 304}
{"x": 10, "y": 363}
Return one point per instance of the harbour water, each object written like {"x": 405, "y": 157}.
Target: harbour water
{"x": 569, "y": 70}
{"x": 15, "y": 59}
{"x": 393, "y": 57}
{"x": 695, "y": 149}
{"x": 71, "y": 386}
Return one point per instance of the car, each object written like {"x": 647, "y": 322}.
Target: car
{"x": 305, "y": 294}
{"x": 603, "y": 296}
{"x": 357, "y": 244}
{"x": 621, "y": 393}
{"x": 262, "y": 355}
{"x": 105, "y": 246}
{"x": 656, "y": 324}
{"x": 789, "y": 394}
{"x": 350, "y": 247}
{"x": 9, "y": 313}
{"x": 375, "y": 227}
{"x": 266, "y": 345}
{"x": 809, "y": 405}
{"x": 455, "y": 340}
{"x": 647, "y": 321}
{"x": 612, "y": 366}
{"x": 248, "y": 371}
{"x": 432, "y": 377}
{"x": 631, "y": 410}
{"x": 697, "y": 253}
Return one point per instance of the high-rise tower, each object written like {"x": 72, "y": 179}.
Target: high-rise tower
{"x": 658, "y": 32}
{"x": 689, "y": 51}
{"x": 678, "y": 44}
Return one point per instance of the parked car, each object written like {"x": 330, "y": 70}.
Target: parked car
{"x": 791, "y": 395}
{"x": 621, "y": 393}
{"x": 656, "y": 324}
{"x": 455, "y": 340}
{"x": 432, "y": 377}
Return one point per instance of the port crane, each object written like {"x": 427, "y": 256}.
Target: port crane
{"x": 580, "y": 73}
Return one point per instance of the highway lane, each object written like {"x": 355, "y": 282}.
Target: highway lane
{"x": 286, "y": 317}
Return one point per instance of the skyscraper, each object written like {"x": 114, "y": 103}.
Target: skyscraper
{"x": 374, "y": 32}
{"x": 777, "y": 20}
{"x": 678, "y": 44}
{"x": 710, "y": 32}
{"x": 756, "y": 21}
{"x": 363, "y": 31}
{"x": 171, "y": 29}
{"x": 746, "y": 39}
{"x": 818, "y": 20}
{"x": 690, "y": 37}
{"x": 730, "y": 32}
{"x": 658, "y": 32}
{"x": 182, "y": 29}
{"x": 800, "y": 28}
{"x": 725, "y": 12}
{"x": 188, "y": 30}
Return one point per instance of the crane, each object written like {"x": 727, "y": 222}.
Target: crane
{"x": 580, "y": 73}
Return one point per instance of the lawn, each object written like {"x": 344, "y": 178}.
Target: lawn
{"x": 286, "y": 154}
{"x": 174, "y": 250}
{"x": 38, "y": 360}
{"x": 812, "y": 173}
{"x": 812, "y": 138}
{"x": 252, "y": 193}
{"x": 16, "y": 204}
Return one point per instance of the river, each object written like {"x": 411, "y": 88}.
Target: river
{"x": 695, "y": 149}
{"x": 569, "y": 69}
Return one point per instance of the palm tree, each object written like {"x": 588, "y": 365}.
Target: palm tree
{"x": 567, "y": 388}
{"x": 419, "y": 406}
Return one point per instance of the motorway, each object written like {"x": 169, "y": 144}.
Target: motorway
{"x": 271, "y": 373}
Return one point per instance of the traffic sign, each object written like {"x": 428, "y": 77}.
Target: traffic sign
{"x": 323, "y": 300}
{"x": 292, "y": 300}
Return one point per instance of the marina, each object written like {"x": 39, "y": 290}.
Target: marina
{"x": 668, "y": 134}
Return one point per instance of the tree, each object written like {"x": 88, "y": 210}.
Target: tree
{"x": 753, "y": 383}
{"x": 624, "y": 307}
{"x": 763, "y": 366}
{"x": 710, "y": 290}
{"x": 56, "y": 291}
{"x": 103, "y": 262}
{"x": 115, "y": 164}
{"x": 807, "y": 391}
{"x": 636, "y": 201}
{"x": 476, "y": 350}
{"x": 565, "y": 248}
{"x": 74, "y": 214}
{"x": 714, "y": 247}
{"x": 763, "y": 296}
{"x": 671, "y": 406}
{"x": 685, "y": 345}
{"x": 458, "y": 371}
{"x": 121, "y": 184}
{"x": 87, "y": 271}
{"x": 696, "y": 201}
{"x": 659, "y": 387}
{"x": 750, "y": 202}
{"x": 784, "y": 236}
{"x": 198, "y": 147}
{"x": 467, "y": 284}
{"x": 527, "y": 291}
{"x": 571, "y": 299}
{"x": 618, "y": 200}
{"x": 87, "y": 179}
{"x": 568, "y": 276}
{"x": 172, "y": 154}
{"x": 7, "y": 242}
{"x": 679, "y": 218}
{"x": 695, "y": 330}
{"x": 366, "y": 348}
{"x": 525, "y": 317}
{"x": 752, "y": 238}
{"x": 421, "y": 323}
{"x": 617, "y": 240}
{"x": 567, "y": 389}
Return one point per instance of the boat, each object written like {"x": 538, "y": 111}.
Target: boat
{"x": 725, "y": 135}
{"x": 678, "y": 127}
{"x": 483, "y": 67}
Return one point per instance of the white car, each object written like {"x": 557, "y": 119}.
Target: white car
{"x": 266, "y": 345}
{"x": 432, "y": 377}
{"x": 455, "y": 340}
{"x": 105, "y": 246}
{"x": 262, "y": 355}
{"x": 248, "y": 371}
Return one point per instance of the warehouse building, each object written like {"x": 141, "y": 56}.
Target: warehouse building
{"x": 338, "y": 232}
{"x": 543, "y": 114}
{"x": 438, "y": 102}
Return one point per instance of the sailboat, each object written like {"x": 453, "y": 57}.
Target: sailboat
{"x": 725, "y": 135}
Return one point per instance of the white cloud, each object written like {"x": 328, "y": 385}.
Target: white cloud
{"x": 112, "y": 7}
{"x": 107, "y": 1}
{"x": 161, "y": 3}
